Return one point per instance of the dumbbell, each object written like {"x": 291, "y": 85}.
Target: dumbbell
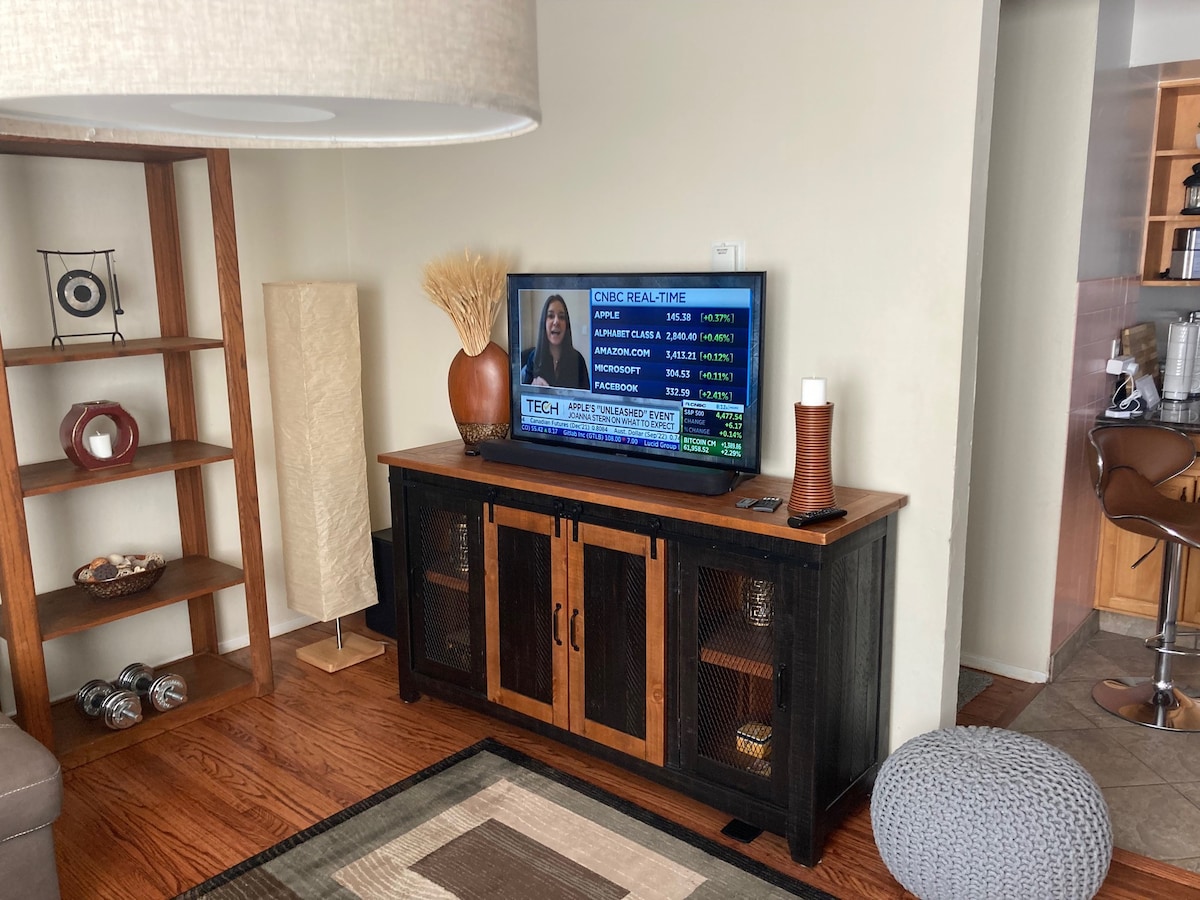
{"x": 164, "y": 692}
{"x": 116, "y": 707}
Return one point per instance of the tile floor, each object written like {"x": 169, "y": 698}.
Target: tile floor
{"x": 1150, "y": 778}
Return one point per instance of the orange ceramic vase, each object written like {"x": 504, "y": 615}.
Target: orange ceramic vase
{"x": 479, "y": 395}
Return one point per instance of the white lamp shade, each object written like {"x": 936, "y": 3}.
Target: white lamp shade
{"x": 321, "y": 468}
{"x": 283, "y": 73}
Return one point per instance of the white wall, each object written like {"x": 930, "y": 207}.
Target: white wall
{"x": 1164, "y": 31}
{"x": 837, "y": 141}
{"x": 844, "y": 143}
{"x": 1040, "y": 130}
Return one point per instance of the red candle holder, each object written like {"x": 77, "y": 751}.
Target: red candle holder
{"x": 74, "y": 443}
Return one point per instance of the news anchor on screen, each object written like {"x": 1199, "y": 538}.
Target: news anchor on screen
{"x": 554, "y": 361}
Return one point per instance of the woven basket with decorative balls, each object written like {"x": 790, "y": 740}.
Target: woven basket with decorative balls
{"x": 968, "y": 813}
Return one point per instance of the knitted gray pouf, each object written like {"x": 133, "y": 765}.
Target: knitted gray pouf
{"x": 969, "y": 812}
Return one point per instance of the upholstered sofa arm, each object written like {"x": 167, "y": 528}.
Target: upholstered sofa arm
{"x": 30, "y": 801}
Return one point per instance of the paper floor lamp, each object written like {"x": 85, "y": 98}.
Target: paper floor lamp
{"x": 316, "y": 394}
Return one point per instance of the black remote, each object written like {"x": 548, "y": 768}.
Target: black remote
{"x": 767, "y": 504}
{"x": 813, "y": 516}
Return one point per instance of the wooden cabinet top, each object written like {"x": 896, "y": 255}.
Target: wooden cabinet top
{"x": 862, "y": 507}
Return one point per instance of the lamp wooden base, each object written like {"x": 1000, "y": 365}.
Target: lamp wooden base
{"x": 326, "y": 655}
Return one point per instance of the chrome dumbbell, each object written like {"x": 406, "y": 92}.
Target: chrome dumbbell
{"x": 163, "y": 692}
{"x": 116, "y": 707}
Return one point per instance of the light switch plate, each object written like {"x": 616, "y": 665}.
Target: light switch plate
{"x": 728, "y": 256}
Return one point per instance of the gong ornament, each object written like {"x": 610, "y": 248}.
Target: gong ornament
{"x": 80, "y": 292}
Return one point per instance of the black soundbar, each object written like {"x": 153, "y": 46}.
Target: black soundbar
{"x": 626, "y": 469}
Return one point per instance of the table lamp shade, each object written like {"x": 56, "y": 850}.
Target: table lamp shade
{"x": 316, "y": 394}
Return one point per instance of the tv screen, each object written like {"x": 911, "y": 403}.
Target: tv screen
{"x": 657, "y": 367}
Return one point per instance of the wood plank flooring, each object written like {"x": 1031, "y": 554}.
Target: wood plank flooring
{"x": 159, "y": 817}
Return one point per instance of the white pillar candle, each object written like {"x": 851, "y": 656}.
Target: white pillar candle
{"x": 812, "y": 392}
{"x": 100, "y": 445}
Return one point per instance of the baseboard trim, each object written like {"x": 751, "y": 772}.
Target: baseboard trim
{"x": 996, "y": 667}
{"x": 1061, "y": 658}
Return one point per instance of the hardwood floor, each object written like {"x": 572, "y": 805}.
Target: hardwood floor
{"x": 166, "y": 814}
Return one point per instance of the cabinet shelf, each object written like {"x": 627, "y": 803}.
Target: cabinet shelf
{"x": 1173, "y": 153}
{"x": 453, "y": 582}
{"x": 71, "y": 609}
{"x": 212, "y": 683}
{"x": 63, "y": 475}
{"x": 741, "y": 647}
{"x": 1170, "y": 282}
{"x": 47, "y": 356}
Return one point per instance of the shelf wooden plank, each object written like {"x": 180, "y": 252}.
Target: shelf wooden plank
{"x": 63, "y": 475}
{"x": 1179, "y": 153}
{"x": 1170, "y": 282}
{"x": 742, "y": 647}
{"x": 72, "y": 609}
{"x": 1189, "y": 221}
{"x": 447, "y": 581}
{"x": 44, "y": 356}
{"x": 213, "y": 683}
{"x": 22, "y": 145}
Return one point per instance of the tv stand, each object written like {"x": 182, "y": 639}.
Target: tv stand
{"x": 711, "y": 649}
{"x": 626, "y": 469}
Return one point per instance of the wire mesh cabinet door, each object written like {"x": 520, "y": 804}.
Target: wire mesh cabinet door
{"x": 616, "y": 639}
{"x": 575, "y": 627}
{"x": 444, "y": 623}
{"x": 526, "y": 565}
{"x": 734, "y": 630}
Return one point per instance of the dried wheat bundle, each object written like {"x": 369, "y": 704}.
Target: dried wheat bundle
{"x": 471, "y": 289}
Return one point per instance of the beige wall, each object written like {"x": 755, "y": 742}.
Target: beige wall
{"x": 1040, "y": 130}
{"x": 836, "y": 140}
{"x": 844, "y": 143}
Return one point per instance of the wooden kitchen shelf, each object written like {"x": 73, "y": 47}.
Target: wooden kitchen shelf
{"x": 1177, "y": 121}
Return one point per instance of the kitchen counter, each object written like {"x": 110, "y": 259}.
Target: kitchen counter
{"x": 1183, "y": 415}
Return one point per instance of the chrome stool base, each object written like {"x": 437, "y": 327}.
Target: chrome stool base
{"x": 1143, "y": 703}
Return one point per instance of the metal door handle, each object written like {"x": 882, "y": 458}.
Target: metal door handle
{"x": 557, "y": 639}
{"x": 574, "y": 616}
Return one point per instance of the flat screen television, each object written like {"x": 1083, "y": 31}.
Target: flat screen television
{"x": 647, "y": 378}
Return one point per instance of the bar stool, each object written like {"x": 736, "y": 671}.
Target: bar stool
{"x": 1131, "y": 461}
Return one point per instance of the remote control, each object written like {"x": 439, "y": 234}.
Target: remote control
{"x": 767, "y": 504}
{"x": 746, "y": 502}
{"x": 817, "y": 515}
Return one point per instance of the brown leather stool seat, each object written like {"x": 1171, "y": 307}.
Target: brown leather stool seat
{"x": 1132, "y": 460}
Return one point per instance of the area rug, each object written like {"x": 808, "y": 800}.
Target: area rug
{"x": 970, "y": 685}
{"x": 490, "y": 823}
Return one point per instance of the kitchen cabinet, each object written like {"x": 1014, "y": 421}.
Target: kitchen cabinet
{"x": 1174, "y": 152}
{"x": 1125, "y": 588}
{"x": 29, "y": 616}
{"x": 710, "y": 648}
